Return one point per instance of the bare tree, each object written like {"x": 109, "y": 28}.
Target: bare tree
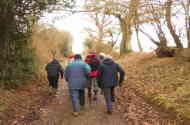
{"x": 136, "y": 21}
{"x": 186, "y": 6}
{"x": 158, "y": 24}
{"x": 115, "y": 8}
{"x": 157, "y": 43}
{"x": 133, "y": 13}
{"x": 103, "y": 30}
{"x": 168, "y": 17}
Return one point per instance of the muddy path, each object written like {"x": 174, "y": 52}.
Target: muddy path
{"x": 130, "y": 109}
{"x": 59, "y": 112}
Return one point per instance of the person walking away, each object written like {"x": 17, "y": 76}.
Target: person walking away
{"x": 76, "y": 74}
{"x": 93, "y": 61}
{"x": 110, "y": 74}
{"x": 54, "y": 70}
{"x": 71, "y": 58}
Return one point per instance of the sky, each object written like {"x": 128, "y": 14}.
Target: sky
{"x": 76, "y": 23}
{"x": 73, "y": 23}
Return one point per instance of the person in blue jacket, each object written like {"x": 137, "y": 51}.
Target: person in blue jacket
{"x": 110, "y": 74}
{"x": 76, "y": 74}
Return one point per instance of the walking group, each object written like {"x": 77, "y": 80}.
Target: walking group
{"x": 96, "y": 74}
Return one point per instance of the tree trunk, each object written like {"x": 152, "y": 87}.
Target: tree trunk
{"x": 188, "y": 32}
{"x": 136, "y": 20}
{"x": 161, "y": 35}
{"x": 123, "y": 48}
{"x": 169, "y": 25}
{"x": 138, "y": 39}
{"x": 125, "y": 45}
{"x": 158, "y": 27}
{"x": 188, "y": 24}
{"x": 163, "y": 40}
{"x": 6, "y": 31}
{"x": 151, "y": 38}
{"x": 126, "y": 24}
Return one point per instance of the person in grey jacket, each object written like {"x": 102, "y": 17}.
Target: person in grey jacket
{"x": 54, "y": 70}
{"x": 76, "y": 74}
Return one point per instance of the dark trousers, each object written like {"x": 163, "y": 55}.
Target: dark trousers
{"x": 108, "y": 98}
{"x": 113, "y": 94}
{"x": 77, "y": 98}
{"x": 82, "y": 97}
{"x": 53, "y": 81}
{"x": 93, "y": 89}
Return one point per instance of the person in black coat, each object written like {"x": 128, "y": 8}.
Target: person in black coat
{"x": 54, "y": 70}
{"x": 110, "y": 74}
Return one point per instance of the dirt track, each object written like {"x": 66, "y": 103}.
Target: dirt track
{"x": 129, "y": 110}
{"x": 59, "y": 112}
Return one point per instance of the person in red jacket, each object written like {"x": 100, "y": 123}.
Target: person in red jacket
{"x": 93, "y": 61}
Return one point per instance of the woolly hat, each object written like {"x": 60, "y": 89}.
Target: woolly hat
{"x": 78, "y": 56}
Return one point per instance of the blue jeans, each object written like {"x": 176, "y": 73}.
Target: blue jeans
{"x": 108, "y": 98}
{"x": 77, "y": 98}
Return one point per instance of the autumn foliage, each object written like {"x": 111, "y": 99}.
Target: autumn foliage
{"x": 162, "y": 81}
{"x": 50, "y": 43}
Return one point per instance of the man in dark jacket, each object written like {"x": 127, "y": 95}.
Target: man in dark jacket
{"x": 54, "y": 70}
{"x": 76, "y": 74}
{"x": 110, "y": 74}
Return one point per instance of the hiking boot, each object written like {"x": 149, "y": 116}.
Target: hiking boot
{"x": 109, "y": 112}
{"x": 75, "y": 114}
